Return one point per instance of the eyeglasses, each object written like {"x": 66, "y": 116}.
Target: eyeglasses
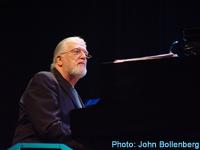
{"x": 77, "y": 52}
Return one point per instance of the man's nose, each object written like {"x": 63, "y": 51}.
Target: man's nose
{"x": 83, "y": 55}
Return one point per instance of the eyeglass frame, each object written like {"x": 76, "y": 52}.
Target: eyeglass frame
{"x": 88, "y": 56}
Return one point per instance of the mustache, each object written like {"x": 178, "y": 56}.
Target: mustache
{"x": 82, "y": 62}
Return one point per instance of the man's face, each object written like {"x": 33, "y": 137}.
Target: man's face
{"x": 75, "y": 65}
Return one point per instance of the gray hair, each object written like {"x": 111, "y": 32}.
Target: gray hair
{"x": 59, "y": 48}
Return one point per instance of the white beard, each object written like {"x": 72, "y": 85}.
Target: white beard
{"x": 77, "y": 71}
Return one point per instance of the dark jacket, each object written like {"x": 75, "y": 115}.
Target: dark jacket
{"x": 45, "y": 109}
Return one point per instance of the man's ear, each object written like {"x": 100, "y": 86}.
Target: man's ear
{"x": 59, "y": 60}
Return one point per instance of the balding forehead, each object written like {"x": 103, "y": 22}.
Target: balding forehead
{"x": 75, "y": 40}
{"x": 72, "y": 43}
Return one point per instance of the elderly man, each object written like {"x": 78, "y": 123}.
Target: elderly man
{"x": 50, "y": 96}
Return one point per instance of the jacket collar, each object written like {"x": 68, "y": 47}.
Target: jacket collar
{"x": 66, "y": 86}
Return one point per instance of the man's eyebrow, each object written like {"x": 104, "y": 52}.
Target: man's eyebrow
{"x": 84, "y": 50}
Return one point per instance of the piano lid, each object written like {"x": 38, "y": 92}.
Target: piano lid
{"x": 145, "y": 83}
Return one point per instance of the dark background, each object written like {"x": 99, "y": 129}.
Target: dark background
{"x": 113, "y": 29}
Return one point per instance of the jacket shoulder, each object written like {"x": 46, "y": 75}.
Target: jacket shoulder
{"x": 43, "y": 78}
{"x": 42, "y": 75}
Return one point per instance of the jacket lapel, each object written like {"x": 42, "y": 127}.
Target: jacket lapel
{"x": 67, "y": 87}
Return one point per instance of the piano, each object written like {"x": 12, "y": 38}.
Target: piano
{"x": 143, "y": 101}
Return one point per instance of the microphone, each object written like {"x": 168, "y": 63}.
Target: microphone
{"x": 175, "y": 42}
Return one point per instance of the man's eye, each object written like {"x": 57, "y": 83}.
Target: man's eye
{"x": 76, "y": 51}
